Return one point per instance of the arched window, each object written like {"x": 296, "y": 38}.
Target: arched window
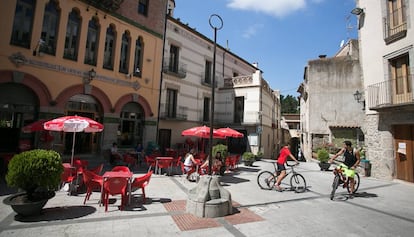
{"x": 139, "y": 53}
{"x": 50, "y": 28}
{"x": 72, "y": 36}
{"x": 92, "y": 42}
{"x": 109, "y": 48}
{"x": 124, "y": 59}
{"x": 23, "y": 23}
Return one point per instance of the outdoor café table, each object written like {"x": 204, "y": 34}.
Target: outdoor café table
{"x": 163, "y": 158}
{"x": 119, "y": 174}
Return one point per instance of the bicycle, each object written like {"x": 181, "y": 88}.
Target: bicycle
{"x": 266, "y": 179}
{"x": 340, "y": 178}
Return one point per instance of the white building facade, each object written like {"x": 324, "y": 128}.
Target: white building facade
{"x": 243, "y": 99}
{"x": 386, "y": 38}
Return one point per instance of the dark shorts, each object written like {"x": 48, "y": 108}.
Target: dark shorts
{"x": 281, "y": 167}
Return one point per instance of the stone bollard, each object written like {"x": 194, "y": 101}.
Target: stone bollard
{"x": 209, "y": 198}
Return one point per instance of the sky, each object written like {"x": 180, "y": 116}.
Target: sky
{"x": 280, "y": 35}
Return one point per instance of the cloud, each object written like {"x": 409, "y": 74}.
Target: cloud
{"x": 277, "y": 8}
{"x": 252, "y": 30}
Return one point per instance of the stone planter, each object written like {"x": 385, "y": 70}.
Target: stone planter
{"x": 324, "y": 166}
{"x": 24, "y": 207}
{"x": 248, "y": 162}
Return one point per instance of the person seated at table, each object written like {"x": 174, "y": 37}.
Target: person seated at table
{"x": 216, "y": 164}
{"x": 190, "y": 163}
{"x": 115, "y": 155}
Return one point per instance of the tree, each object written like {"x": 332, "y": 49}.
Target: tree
{"x": 289, "y": 104}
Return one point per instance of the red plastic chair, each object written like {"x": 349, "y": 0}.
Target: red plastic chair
{"x": 121, "y": 168}
{"x": 93, "y": 182}
{"x": 98, "y": 169}
{"x": 67, "y": 176}
{"x": 130, "y": 160}
{"x": 235, "y": 161}
{"x": 163, "y": 164}
{"x": 150, "y": 160}
{"x": 140, "y": 183}
{"x": 115, "y": 186}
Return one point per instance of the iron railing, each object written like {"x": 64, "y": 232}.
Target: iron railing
{"x": 179, "y": 69}
{"x": 386, "y": 93}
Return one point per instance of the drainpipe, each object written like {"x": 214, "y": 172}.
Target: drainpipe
{"x": 167, "y": 13}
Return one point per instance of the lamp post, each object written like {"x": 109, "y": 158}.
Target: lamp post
{"x": 216, "y": 23}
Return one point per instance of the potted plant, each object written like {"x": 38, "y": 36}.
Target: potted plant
{"x": 248, "y": 158}
{"x": 38, "y": 174}
{"x": 259, "y": 155}
{"x": 223, "y": 150}
{"x": 323, "y": 157}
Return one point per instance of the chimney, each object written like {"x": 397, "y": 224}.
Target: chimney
{"x": 322, "y": 56}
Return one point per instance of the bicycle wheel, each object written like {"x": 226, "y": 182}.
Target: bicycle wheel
{"x": 298, "y": 183}
{"x": 335, "y": 185}
{"x": 266, "y": 180}
{"x": 356, "y": 180}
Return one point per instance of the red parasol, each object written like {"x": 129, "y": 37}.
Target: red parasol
{"x": 36, "y": 126}
{"x": 73, "y": 124}
{"x": 228, "y": 132}
{"x": 202, "y": 132}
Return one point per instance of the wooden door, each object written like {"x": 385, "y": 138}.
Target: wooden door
{"x": 164, "y": 139}
{"x": 404, "y": 145}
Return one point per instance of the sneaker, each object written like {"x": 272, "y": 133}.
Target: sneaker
{"x": 278, "y": 188}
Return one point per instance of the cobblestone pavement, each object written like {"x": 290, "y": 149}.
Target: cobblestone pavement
{"x": 380, "y": 208}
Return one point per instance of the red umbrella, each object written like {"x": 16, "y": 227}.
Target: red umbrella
{"x": 228, "y": 132}
{"x": 202, "y": 132}
{"x": 35, "y": 126}
{"x": 73, "y": 124}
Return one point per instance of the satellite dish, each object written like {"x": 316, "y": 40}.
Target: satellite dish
{"x": 342, "y": 43}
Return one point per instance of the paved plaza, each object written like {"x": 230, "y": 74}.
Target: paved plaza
{"x": 380, "y": 208}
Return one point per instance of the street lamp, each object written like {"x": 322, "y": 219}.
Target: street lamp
{"x": 216, "y": 23}
{"x": 358, "y": 98}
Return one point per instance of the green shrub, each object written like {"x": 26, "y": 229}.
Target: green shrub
{"x": 248, "y": 156}
{"x": 323, "y": 155}
{"x": 36, "y": 171}
{"x": 220, "y": 148}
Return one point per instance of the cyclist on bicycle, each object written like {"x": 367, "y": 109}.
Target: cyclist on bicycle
{"x": 352, "y": 159}
{"x": 281, "y": 160}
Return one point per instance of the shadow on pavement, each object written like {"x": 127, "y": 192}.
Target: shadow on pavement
{"x": 231, "y": 179}
{"x": 58, "y": 213}
{"x": 365, "y": 195}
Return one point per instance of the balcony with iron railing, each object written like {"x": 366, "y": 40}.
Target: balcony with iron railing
{"x": 179, "y": 114}
{"x": 391, "y": 93}
{"x": 231, "y": 82}
{"x": 395, "y": 25}
{"x": 175, "y": 69}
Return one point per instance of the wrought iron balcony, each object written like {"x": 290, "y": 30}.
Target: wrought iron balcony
{"x": 179, "y": 114}
{"x": 395, "y": 25}
{"x": 108, "y": 5}
{"x": 391, "y": 93}
{"x": 176, "y": 69}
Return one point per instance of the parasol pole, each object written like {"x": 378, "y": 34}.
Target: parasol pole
{"x": 73, "y": 144}
{"x": 73, "y": 148}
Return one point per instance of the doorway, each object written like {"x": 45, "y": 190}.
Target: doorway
{"x": 85, "y": 106}
{"x": 404, "y": 157}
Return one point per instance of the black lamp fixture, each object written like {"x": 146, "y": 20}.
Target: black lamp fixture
{"x": 358, "y": 98}
{"x": 357, "y": 11}
{"x": 92, "y": 74}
